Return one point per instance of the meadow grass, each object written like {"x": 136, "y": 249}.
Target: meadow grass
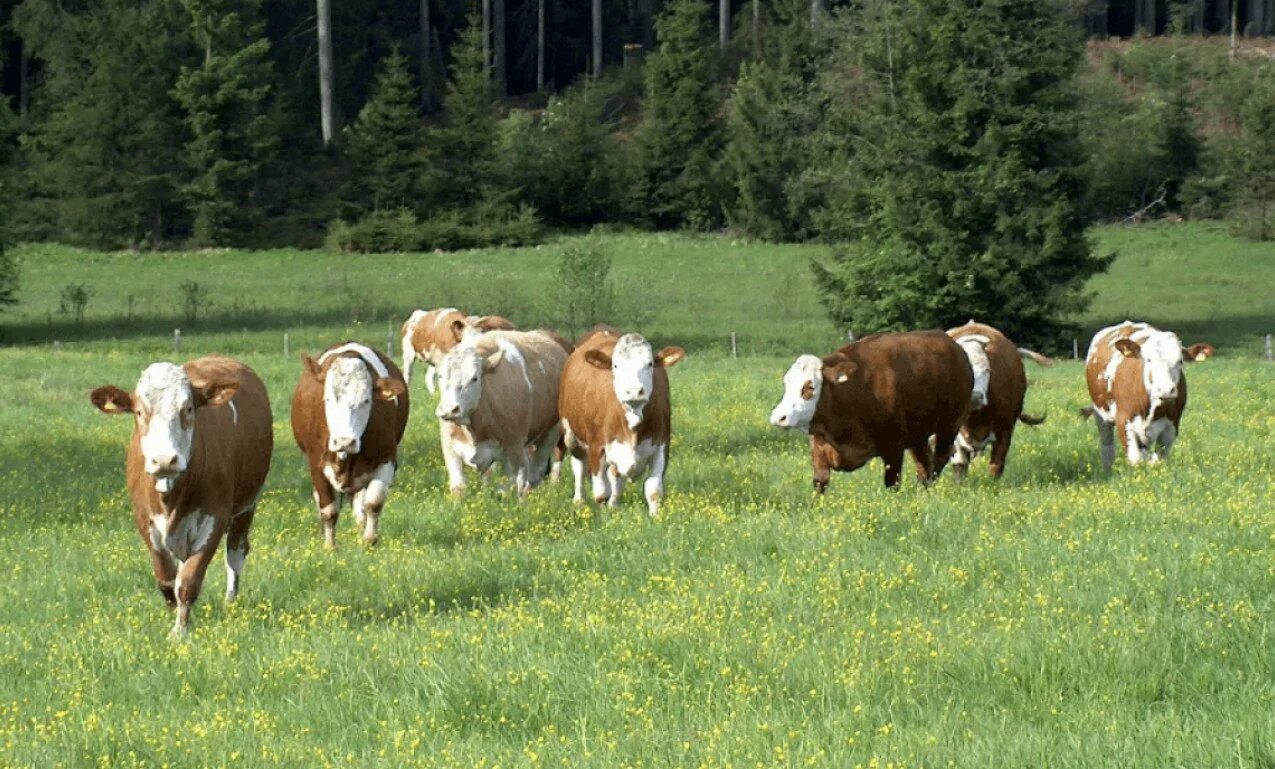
{"x": 1058, "y": 617}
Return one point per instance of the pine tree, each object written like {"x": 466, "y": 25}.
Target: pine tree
{"x": 8, "y": 265}
{"x": 462, "y": 150}
{"x": 1254, "y": 191}
{"x": 968, "y": 199}
{"x": 386, "y": 142}
{"x": 227, "y": 101}
{"x": 679, "y": 139}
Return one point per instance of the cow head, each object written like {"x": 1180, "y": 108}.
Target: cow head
{"x": 632, "y": 365}
{"x": 1161, "y": 354}
{"x": 460, "y": 381}
{"x": 163, "y": 405}
{"x": 802, "y": 386}
{"x": 348, "y": 391}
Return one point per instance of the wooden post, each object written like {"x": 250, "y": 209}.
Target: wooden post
{"x": 57, "y": 345}
{"x": 734, "y": 347}
{"x": 1270, "y": 353}
{"x": 1075, "y": 349}
{"x": 285, "y": 343}
{"x": 177, "y": 341}
{"x": 849, "y": 335}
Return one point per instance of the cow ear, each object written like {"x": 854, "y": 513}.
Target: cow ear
{"x": 387, "y": 389}
{"x": 311, "y": 367}
{"x": 598, "y": 359}
{"x": 493, "y": 360}
{"x": 840, "y": 373}
{"x": 1128, "y": 348}
{"x": 112, "y": 400}
{"x": 215, "y": 393}
{"x": 458, "y": 329}
{"x": 669, "y": 356}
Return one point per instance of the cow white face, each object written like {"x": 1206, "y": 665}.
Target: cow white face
{"x": 802, "y": 385}
{"x": 164, "y": 405}
{"x": 460, "y": 382}
{"x": 347, "y": 405}
{"x": 1162, "y": 365}
{"x": 632, "y": 364}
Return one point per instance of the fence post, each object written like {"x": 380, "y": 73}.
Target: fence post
{"x": 57, "y": 345}
{"x": 1075, "y": 349}
{"x": 177, "y": 341}
{"x": 389, "y": 339}
{"x": 849, "y": 335}
{"x": 285, "y": 343}
{"x": 1270, "y": 353}
{"x": 734, "y": 349}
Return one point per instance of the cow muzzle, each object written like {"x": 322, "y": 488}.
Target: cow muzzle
{"x": 449, "y": 413}
{"x": 343, "y": 447}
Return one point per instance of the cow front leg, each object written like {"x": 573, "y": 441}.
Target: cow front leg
{"x": 893, "y": 459}
{"x": 654, "y": 485}
{"x": 517, "y": 468}
{"x": 190, "y": 579}
{"x": 451, "y": 460}
{"x": 962, "y": 455}
{"x": 237, "y": 547}
{"x": 1168, "y": 436}
{"x": 328, "y": 501}
{"x": 544, "y": 454}
{"x": 369, "y": 502}
{"x": 1106, "y": 442}
{"x": 1134, "y": 451}
{"x": 924, "y": 460}
{"x": 597, "y": 471}
{"x": 617, "y": 485}
{"x": 819, "y": 467}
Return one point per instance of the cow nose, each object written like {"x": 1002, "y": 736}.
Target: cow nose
{"x": 779, "y": 420}
{"x": 343, "y": 446}
{"x": 163, "y": 464}
{"x": 447, "y": 412}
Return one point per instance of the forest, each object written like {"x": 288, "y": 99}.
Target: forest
{"x": 963, "y": 141}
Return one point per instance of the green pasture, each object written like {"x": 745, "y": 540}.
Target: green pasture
{"x": 1059, "y": 617}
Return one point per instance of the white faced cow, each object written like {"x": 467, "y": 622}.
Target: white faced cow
{"x": 427, "y": 335}
{"x": 349, "y": 412}
{"x": 616, "y": 414}
{"x": 200, "y": 452}
{"x": 1135, "y": 378}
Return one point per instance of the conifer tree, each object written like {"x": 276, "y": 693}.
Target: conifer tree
{"x": 968, "y": 194}
{"x": 8, "y": 265}
{"x": 386, "y": 142}
{"x": 679, "y": 139}
{"x": 227, "y": 101}
{"x": 462, "y": 150}
{"x": 1255, "y": 180}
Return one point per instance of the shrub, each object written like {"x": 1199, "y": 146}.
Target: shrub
{"x": 194, "y": 300}
{"x": 74, "y": 301}
{"x": 487, "y": 224}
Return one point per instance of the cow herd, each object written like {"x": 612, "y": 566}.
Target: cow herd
{"x": 523, "y": 400}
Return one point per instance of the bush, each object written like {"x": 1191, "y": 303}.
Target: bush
{"x": 74, "y": 301}
{"x": 496, "y": 224}
{"x": 194, "y": 300}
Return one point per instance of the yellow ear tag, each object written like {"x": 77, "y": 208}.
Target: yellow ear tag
{"x": 110, "y": 406}
{"x": 842, "y": 378}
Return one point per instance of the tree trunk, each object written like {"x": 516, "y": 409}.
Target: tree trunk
{"x": 816, "y": 10}
{"x": 723, "y": 23}
{"x": 426, "y": 58}
{"x": 24, "y": 89}
{"x": 1197, "y": 17}
{"x": 327, "y": 106}
{"x": 499, "y": 46}
{"x": 597, "y": 38}
{"x": 1235, "y": 22}
{"x": 487, "y": 38}
{"x": 540, "y": 46}
{"x": 757, "y": 28}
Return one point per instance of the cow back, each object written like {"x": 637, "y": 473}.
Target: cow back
{"x": 519, "y": 400}
{"x": 1008, "y": 383}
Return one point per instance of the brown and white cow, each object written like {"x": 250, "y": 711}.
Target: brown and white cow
{"x": 349, "y": 412}
{"x": 616, "y": 414}
{"x": 996, "y": 401}
{"x": 199, "y": 455}
{"x": 498, "y": 401}
{"x": 1199, "y": 351}
{"x": 1138, "y": 389}
{"x": 879, "y": 396}
{"x": 427, "y": 335}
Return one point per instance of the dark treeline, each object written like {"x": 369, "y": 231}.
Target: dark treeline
{"x": 955, "y": 149}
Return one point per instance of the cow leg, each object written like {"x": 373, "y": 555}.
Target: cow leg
{"x": 544, "y": 453}
{"x": 431, "y": 378}
{"x": 165, "y": 573}
{"x": 944, "y": 442}
{"x": 237, "y": 548}
{"x": 924, "y": 459}
{"x": 654, "y": 486}
{"x": 328, "y": 502}
{"x": 1002, "y": 437}
{"x": 517, "y": 468}
{"x": 1132, "y": 443}
{"x": 409, "y": 357}
{"x": 578, "y": 470}
{"x": 1162, "y": 433}
{"x": 819, "y": 467}
{"x": 617, "y": 485}
{"x": 962, "y": 455}
{"x": 1106, "y": 442}
{"x": 455, "y": 468}
{"x": 893, "y": 458}
{"x": 555, "y": 469}
{"x": 370, "y": 500}
{"x": 601, "y": 489}
{"x": 190, "y": 579}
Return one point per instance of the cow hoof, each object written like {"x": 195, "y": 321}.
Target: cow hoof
{"x": 372, "y": 540}
{"x": 456, "y": 492}
{"x": 179, "y": 634}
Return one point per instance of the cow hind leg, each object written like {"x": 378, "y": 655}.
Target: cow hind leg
{"x": 545, "y": 454}
{"x": 962, "y": 455}
{"x": 517, "y": 468}
{"x": 924, "y": 459}
{"x": 1000, "y": 449}
{"x": 893, "y": 459}
{"x": 1106, "y": 442}
{"x": 237, "y": 547}
{"x": 944, "y": 442}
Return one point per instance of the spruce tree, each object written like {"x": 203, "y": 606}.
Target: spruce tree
{"x": 227, "y": 101}
{"x": 1255, "y": 178}
{"x": 966, "y": 197}
{"x": 462, "y": 150}
{"x": 679, "y": 140}
{"x": 8, "y": 265}
{"x": 386, "y": 142}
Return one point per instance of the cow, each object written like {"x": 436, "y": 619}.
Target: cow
{"x": 1200, "y": 351}
{"x": 349, "y": 412}
{"x": 498, "y": 400}
{"x": 879, "y": 396}
{"x": 427, "y": 335}
{"x": 1138, "y": 388}
{"x": 996, "y": 401}
{"x": 616, "y": 414}
{"x": 199, "y": 455}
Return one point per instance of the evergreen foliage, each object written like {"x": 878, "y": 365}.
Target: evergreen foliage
{"x": 462, "y": 150}
{"x": 679, "y": 139}
{"x": 1254, "y": 182}
{"x": 227, "y": 105}
{"x": 386, "y": 143}
{"x": 8, "y": 265}
{"x": 965, "y": 174}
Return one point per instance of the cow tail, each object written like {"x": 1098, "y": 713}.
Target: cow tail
{"x": 1028, "y": 419}
{"x": 1041, "y": 360}
{"x": 1087, "y": 412}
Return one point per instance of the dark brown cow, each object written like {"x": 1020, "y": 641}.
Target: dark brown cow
{"x": 616, "y": 414}
{"x": 349, "y": 412}
{"x": 879, "y": 396}
{"x": 1135, "y": 378}
{"x": 996, "y": 402}
{"x": 200, "y": 452}
{"x": 1200, "y": 351}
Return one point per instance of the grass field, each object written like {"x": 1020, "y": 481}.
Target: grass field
{"x": 1058, "y": 617}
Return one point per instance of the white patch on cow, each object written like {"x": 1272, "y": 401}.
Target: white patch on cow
{"x": 158, "y": 530}
{"x": 234, "y": 412}
{"x": 364, "y": 352}
{"x": 347, "y": 402}
{"x": 1162, "y": 366}
{"x": 235, "y": 558}
{"x": 169, "y": 405}
{"x": 794, "y": 410}
{"x": 601, "y": 489}
{"x": 633, "y": 376}
{"x": 975, "y": 347}
{"x": 329, "y": 472}
{"x": 654, "y": 486}
{"x": 578, "y": 471}
{"x": 513, "y": 355}
{"x": 369, "y": 501}
{"x": 479, "y": 456}
{"x": 441, "y": 314}
{"x": 460, "y": 384}
{"x": 191, "y": 535}
{"x": 629, "y": 460}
